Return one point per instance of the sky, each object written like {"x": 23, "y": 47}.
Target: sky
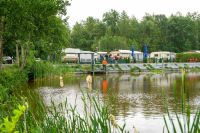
{"x": 81, "y": 9}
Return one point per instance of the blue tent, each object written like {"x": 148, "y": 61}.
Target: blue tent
{"x": 145, "y": 51}
{"x": 132, "y": 54}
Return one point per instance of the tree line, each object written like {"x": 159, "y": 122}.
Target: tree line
{"x": 176, "y": 33}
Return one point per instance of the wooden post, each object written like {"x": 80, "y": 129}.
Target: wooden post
{"x": 78, "y": 58}
{"x": 92, "y": 64}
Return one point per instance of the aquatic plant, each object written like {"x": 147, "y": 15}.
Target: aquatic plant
{"x": 135, "y": 69}
{"x": 186, "y": 122}
{"x": 9, "y": 124}
{"x": 47, "y": 69}
{"x": 64, "y": 117}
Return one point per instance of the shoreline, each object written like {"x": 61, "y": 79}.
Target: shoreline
{"x": 138, "y": 67}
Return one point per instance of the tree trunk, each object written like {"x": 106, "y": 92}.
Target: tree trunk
{"x": 1, "y": 41}
{"x": 17, "y": 54}
{"x": 22, "y": 57}
{"x": 1, "y": 50}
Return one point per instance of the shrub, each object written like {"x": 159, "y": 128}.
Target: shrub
{"x": 12, "y": 77}
{"x": 188, "y": 57}
{"x": 45, "y": 69}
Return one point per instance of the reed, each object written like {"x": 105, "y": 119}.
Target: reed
{"x": 47, "y": 69}
{"x": 186, "y": 121}
{"x": 65, "y": 118}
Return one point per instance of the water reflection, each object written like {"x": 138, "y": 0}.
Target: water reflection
{"x": 137, "y": 100}
{"x": 104, "y": 85}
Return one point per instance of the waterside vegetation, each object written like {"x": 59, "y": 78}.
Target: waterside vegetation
{"x": 187, "y": 121}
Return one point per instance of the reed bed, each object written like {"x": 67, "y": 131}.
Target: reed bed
{"x": 186, "y": 121}
{"x": 66, "y": 118}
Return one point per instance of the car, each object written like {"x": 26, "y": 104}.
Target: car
{"x": 37, "y": 59}
{"x": 7, "y": 60}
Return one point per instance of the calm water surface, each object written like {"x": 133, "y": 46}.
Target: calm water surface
{"x": 136, "y": 100}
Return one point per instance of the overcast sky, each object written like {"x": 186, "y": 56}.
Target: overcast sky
{"x": 81, "y": 9}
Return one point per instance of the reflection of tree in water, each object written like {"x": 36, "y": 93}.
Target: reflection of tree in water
{"x": 116, "y": 104}
{"x": 191, "y": 90}
{"x": 146, "y": 84}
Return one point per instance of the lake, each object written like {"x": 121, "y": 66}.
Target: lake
{"x": 136, "y": 100}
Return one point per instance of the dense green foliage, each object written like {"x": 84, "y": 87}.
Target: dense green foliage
{"x": 176, "y": 33}
{"x": 32, "y": 27}
{"x": 9, "y": 124}
{"x": 188, "y": 57}
{"x": 47, "y": 69}
{"x": 10, "y": 79}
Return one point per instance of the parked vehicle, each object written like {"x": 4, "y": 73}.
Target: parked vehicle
{"x": 7, "y": 60}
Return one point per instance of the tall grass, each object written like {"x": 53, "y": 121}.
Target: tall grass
{"x": 11, "y": 78}
{"x": 186, "y": 122}
{"x": 46, "y": 69}
{"x": 66, "y": 118}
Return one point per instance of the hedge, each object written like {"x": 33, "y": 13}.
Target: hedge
{"x": 188, "y": 57}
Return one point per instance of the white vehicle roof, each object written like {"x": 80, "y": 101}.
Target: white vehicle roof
{"x": 101, "y": 52}
{"x": 162, "y": 52}
{"x": 71, "y": 50}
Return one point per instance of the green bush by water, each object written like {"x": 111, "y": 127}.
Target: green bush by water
{"x": 185, "y": 57}
{"x": 11, "y": 79}
{"x": 46, "y": 69}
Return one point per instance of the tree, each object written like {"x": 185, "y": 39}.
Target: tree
{"x": 180, "y": 33}
{"x": 149, "y": 32}
{"x": 109, "y": 43}
{"x": 85, "y": 34}
{"x": 111, "y": 19}
{"x": 28, "y": 22}
{"x": 79, "y": 36}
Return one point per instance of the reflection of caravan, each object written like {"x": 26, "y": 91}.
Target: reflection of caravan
{"x": 163, "y": 55}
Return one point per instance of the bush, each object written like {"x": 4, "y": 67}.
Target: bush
{"x": 45, "y": 69}
{"x": 188, "y": 57}
{"x": 12, "y": 77}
